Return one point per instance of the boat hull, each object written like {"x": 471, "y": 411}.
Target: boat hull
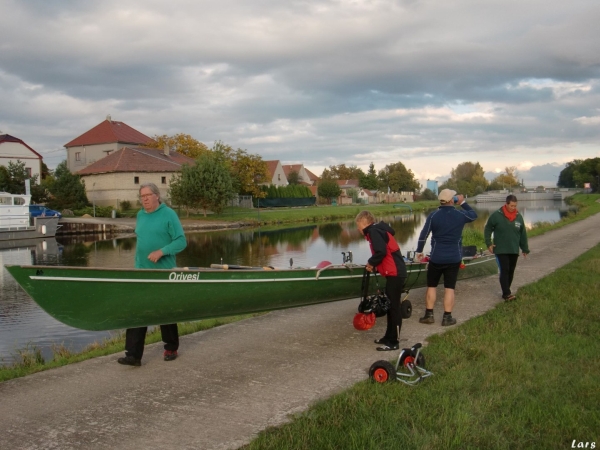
{"x": 43, "y": 227}
{"x": 107, "y": 299}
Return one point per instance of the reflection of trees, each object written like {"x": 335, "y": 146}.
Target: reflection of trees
{"x": 249, "y": 248}
{"x": 330, "y": 232}
{"x": 76, "y": 255}
{"x": 404, "y": 226}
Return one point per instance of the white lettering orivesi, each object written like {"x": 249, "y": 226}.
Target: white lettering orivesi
{"x": 174, "y": 276}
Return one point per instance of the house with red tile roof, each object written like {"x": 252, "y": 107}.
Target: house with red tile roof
{"x": 276, "y": 173}
{"x": 313, "y": 179}
{"x": 13, "y": 149}
{"x": 105, "y": 138}
{"x": 305, "y": 177}
{"x": 118, "y": 176}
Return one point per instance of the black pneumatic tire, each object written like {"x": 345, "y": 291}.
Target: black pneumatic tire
{"x": 382, "y": 372}
{"x": 406, "y": 309}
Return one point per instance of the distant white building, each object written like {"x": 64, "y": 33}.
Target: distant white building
{"x": 276, "y": 174}
{"x": 13, "y": 149}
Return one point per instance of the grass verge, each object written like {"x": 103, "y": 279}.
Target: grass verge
{"x": 524, "y": 375}
{"x": 274, "y": 216}
{"x": 30, "y": 359}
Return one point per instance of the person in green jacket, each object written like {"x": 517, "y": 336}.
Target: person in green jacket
{"x": 159, "y": 238}
{"x": 508, "y": 228}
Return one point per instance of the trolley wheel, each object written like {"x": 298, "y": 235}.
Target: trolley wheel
{"x": 406, "y": 309}
{"x": 382, "y": 372}
{"x": 408, "y": 358}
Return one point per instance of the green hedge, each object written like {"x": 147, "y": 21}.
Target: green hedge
{"x": 289, "y": 191}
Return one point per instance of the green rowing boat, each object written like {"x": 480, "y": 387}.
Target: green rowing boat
{"x": 108, "y": 299}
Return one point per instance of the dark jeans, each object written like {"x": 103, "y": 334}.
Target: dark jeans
{"x": 134, "y": 339}
{"x": 507, "y": 263}
{"x": 393, "y": 290}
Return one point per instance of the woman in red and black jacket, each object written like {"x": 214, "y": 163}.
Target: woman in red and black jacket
{"x": 387, "y": 259}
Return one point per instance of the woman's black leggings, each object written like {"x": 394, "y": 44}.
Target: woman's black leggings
{"x": 393, "y": 290}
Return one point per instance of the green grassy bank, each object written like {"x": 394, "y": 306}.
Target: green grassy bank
{"x": 524, "y": 375}
{"x": 274, "y": 216}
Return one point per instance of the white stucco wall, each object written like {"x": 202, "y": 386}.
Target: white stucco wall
{"x": 110, "y": 189}
{"x": 89, "y": 154}
{"x": 15, "y": 151}
{"x": 279, "y": 178}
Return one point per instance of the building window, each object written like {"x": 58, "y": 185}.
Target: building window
{"x": 78, "y": 156}
{"x": 163, "y": 180}
{"x": 136, "y": 180}
{"x": 278, "y": 177}
{"x": 28, "y": 169}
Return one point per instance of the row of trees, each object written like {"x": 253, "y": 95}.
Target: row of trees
{"x": 578, "y": 172}
{"x": 216, "y": 177}
{"x": 395, "y": 176}
{"x": 468, "y": 179}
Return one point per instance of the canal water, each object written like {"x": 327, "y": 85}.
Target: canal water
{"x": 24, "y": 325}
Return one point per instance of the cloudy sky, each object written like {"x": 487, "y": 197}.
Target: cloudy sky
{"x": 428, "y": 83}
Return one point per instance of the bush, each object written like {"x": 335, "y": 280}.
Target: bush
{"x": 125, "y": 205}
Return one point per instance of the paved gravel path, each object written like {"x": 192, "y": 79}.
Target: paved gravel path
{"x": 233, "y": 381}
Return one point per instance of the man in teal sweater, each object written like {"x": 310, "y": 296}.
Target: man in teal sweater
{"x": 510, "y": 234}
{"x": 159, "y": 238}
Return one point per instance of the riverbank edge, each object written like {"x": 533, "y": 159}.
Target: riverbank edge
{"x": 124, "y": 225}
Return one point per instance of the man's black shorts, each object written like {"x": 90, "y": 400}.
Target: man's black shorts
{"x": 450, "y": 272}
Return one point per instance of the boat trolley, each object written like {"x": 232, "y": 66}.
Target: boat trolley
{"x": 409, "y": 368}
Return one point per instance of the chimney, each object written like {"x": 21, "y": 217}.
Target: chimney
{"x": 108, "y": 118}
{"x": 166, "y": 149}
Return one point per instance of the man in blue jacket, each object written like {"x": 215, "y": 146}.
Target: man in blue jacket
{"x": 445, "y": 225}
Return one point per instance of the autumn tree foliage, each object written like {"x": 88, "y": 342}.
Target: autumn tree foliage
{"x": 181, "y": 143}
{"x": 506, "y": 180}
{"x": 247, "y": 170}
{"x": 467, "y": 178}
{"x": 397, "y": 178}
{"x": 341, "y": 172}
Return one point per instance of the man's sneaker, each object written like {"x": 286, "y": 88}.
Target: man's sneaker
{"x": 448, "y": 320}
{"x": 129, "y": 361}
{"x": 509, "y": 298}
{"x": 428, "y": 318}
{"x": 170, "y": 355}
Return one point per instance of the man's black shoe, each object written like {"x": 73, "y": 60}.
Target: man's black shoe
{"x": 428, "y": 318}
{"x": 129, "y": 361}
{"x": 448, "y": 320}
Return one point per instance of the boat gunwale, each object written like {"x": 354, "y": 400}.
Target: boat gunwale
{"x": 412, "y": 266}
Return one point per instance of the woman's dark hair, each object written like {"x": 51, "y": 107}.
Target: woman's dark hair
{"x": 511, "y": 198}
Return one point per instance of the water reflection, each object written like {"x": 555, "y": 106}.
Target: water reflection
{"x": 23, "y": 322}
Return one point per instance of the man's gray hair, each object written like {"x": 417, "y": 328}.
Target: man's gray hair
{"x": 152, "y": 187}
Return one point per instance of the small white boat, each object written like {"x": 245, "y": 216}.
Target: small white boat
{"x": 16, "y": 222}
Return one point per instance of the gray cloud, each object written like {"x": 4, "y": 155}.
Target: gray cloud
{"x": 325, "y": 82}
